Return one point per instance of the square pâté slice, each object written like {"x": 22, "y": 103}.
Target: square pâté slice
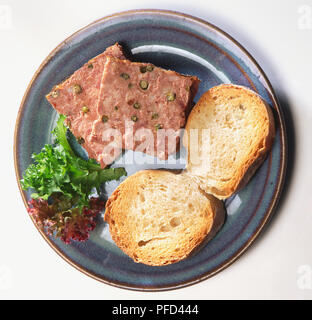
{"x": 77, "y": 97}
{"x": 142, "y": 96}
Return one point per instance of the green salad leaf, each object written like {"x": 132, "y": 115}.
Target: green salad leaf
{"x": 57, "y": 170}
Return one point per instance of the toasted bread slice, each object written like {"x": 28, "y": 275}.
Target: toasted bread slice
{"x": 159, "y": 217}
{"x": 235, "y": 132}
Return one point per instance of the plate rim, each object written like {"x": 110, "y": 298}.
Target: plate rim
{"x": 280, "y": 181}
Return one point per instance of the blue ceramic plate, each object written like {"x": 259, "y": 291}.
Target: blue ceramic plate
{"x": 190, "y": 46}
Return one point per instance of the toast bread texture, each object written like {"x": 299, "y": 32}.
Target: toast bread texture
{"x": 159, "y": 217}
{"x": 235, "y": 130}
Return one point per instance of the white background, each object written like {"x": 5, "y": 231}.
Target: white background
{"x": 278, "y": 34}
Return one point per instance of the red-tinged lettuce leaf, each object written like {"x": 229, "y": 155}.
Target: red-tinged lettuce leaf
{"x": 60, "y": 220}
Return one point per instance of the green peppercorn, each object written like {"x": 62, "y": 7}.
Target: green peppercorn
{"x": 136, "y": 105}
{"x": 143, "y": 69}
{"x": 130, "y": 85}
{"x": 90, "y": 66}
{"x": 170, "y": 96}
{"x": 158, "y": 126}
{"x": 54, "y": 94}
{"x": 80, "y": 140}
{"x": 134, "y": 118}
{"x": 143, "y": 84}
{"x": 155, "y": 116}
{"x": 116, "y": 108}
{"x": 104, "y": 119}
{"x": 85, "y": 109}
{"x": 150, "y": 68}
{"x": 77, "y": 89}
{"x": 125, "y": 76}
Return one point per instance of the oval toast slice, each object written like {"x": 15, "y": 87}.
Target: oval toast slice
{"x": 228, "y": 135}
{"x": 158, "y": 217}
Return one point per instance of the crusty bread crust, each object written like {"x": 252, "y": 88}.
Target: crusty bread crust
{"x": 262, "y": 132}
{"x": 151, "y": 220}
